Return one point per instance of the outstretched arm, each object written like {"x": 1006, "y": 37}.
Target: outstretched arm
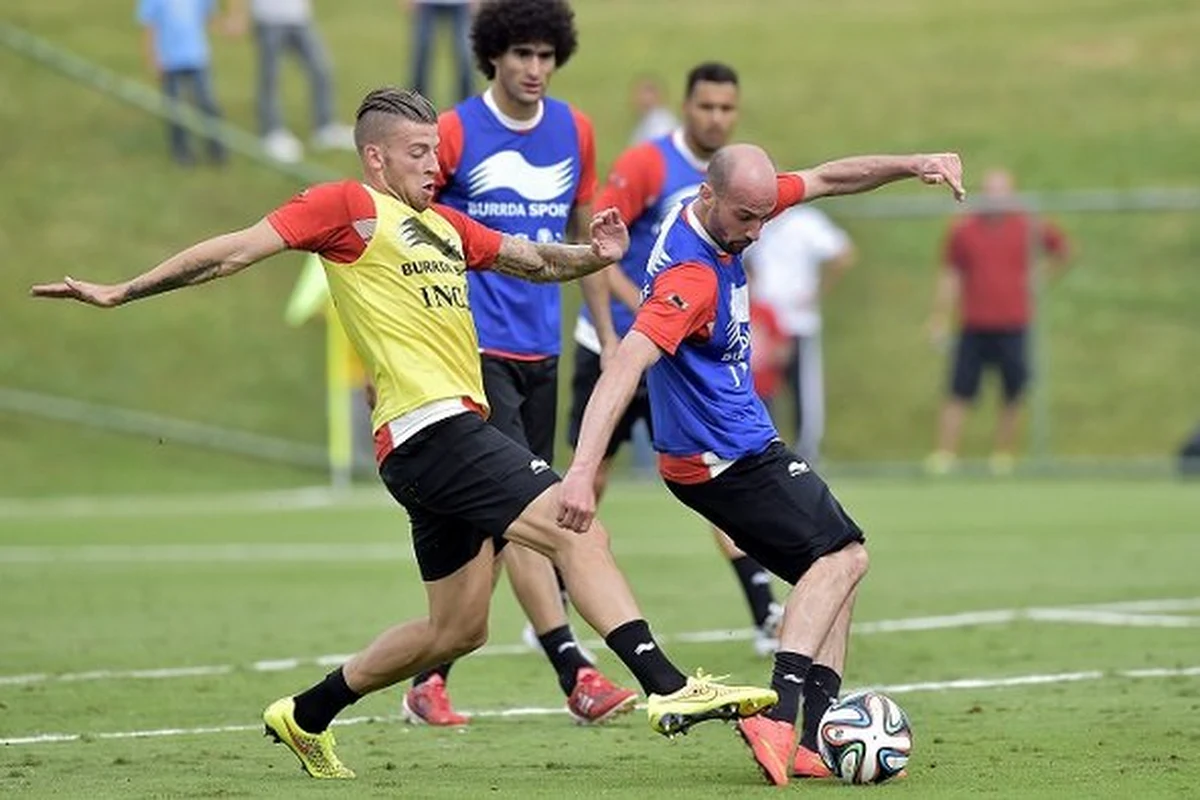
{"x": 213, "y": 258}
{"x": 554, "y": 262}
{"x": 864, "y": 173}
{"x": 610, "y": 398}
{"x": 594, "y": 287}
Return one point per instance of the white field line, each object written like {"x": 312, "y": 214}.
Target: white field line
{"x": 302, "y": 499}
{"x": 508, "y": 713}
{"x": 1095, "y": 617}
{"x": 203, "y": 553}
{"x": 1180, "y": 604}
{"x": 1078, "y": 614}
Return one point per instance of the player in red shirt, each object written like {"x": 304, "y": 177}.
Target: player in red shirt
{"x": 397, "y": 271}
{"x": 770, "y": 347}
{"x": 988, "y": 260}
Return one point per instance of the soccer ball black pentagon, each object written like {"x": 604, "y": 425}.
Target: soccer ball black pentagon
{"x": 865, "y": 738}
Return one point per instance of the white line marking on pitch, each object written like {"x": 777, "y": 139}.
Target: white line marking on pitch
{"x": 508, "y": 713}
{"x": 1076, "y": 614}
{"x": 203, "y": 553}
{"x": 301, "y": 499}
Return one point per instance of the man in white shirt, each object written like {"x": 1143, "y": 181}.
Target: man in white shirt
{"x": 800, "y": 255}
{"x": 654, "y": 118}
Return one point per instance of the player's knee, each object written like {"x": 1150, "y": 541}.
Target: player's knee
{"x": 594, "y": 541}
{"x": 857, "y": 560}
{"x": 465, "y": 638}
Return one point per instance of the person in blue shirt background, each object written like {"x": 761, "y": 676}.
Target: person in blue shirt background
{"x": 177, "y": 51}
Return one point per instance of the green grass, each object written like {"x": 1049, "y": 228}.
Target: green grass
{"x": 937, "y": 549}
{"x": 1079, "y": 93}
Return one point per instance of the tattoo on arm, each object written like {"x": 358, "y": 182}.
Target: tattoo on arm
{"x": 546, "y": 262}
{"x": 188, "y": 275}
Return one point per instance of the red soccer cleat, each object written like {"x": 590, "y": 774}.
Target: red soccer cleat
{"x": 809, "y": 764}
{"x": 596, "y": 699}
{"x": 428, "y": 704}
{"x": 771, "y": 743}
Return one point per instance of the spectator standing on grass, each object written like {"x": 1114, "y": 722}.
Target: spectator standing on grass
{"x": 799, "y": 257}
{"x": 427, "y": 14}
{"x": 988, "y": 259}
{"x": 176, "y": 47}
{"x": 281, "y": 26}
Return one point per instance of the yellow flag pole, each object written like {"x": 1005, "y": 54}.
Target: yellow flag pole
{"x": 309, "y": 298}
{"x": 337, "y": 400}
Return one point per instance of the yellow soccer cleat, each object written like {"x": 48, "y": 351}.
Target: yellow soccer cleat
{"x": 705, "y": 698}
{"x": 315, "y": 750}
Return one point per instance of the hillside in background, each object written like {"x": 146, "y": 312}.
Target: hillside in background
{"x": 1096, "y": 93}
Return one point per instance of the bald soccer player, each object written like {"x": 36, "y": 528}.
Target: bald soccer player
{"x": 719, "y": 452}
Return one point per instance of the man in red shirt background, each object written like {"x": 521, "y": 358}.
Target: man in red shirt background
{"x": 987, "y": 266}
{"x": 770, "y": 349}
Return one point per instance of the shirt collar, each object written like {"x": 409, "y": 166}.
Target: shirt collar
{"x": 519, "y": 125}
{"x": 689, "y": 216}
{"x": 680, "y": 143}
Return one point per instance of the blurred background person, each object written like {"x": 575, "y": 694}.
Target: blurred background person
{"x": 654, "y": 118}
{"x": 986, "y": 266}
{"x": 426, "y": 14}
{"x": 799, "y": 257}
{"x": 770, "y": 350}
{"x": 281, "y": 26}
{"x": 176, "y": 48}
{"x": 654, "y": 121}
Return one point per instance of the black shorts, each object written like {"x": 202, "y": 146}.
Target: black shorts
{"x": 587, "y": 372}
{"x": 1005, "y": 350}
{"x": 776, "y": 509}
{"x": 523, "y": 396}
{"x": 462, "y": 481}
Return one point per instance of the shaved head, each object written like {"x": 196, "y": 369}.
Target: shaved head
{"x": 739, "y": 169}
{"x": 738, "y": 195}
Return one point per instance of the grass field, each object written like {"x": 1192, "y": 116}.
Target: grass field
{"x": 235, "y": 597}
{"x": 1079, "y": 93}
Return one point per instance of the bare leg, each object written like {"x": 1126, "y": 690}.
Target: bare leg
{"x": 595, "y": 584}
{"x": 532, "y": 577}
{"x": 950, "y": 424}
{"x": 818, "y": 599}
{"x": 456, "y": 625}
{"x": 823, "y": 684}
{"x": 726, "y": 545}
{"x": 832, "y": 652}
{"x": 1007, "y": 427}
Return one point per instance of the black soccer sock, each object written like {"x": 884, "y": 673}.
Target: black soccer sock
{"x": 821, "y": 689}
{"x": 791, "y": 670}
{"x": 563, "y": 652}
{"x": 562, "y": 589}
{"x": 756, "y": 583}
{"x": 441, "y": 670}
{"x": 635, "y": 646}
{"x": 316, "y": 707}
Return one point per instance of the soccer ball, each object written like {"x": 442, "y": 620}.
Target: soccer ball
{"x": 865, "y": 738}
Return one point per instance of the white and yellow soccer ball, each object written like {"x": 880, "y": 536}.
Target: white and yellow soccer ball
{"x": 865, "y": 738}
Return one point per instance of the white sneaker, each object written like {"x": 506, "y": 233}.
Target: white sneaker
{"x": 282, "y": 146}
{"x": 334, "y": 137}
{"x": 766, "y": 636}
{"x": 530, "y": 638}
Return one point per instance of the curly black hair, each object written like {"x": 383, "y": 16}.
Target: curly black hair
{"x": 500, "y": 24}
